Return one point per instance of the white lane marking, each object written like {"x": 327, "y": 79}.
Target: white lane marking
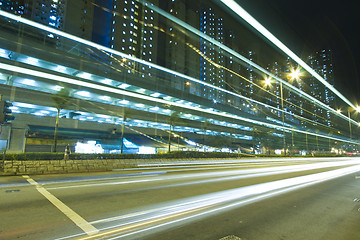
{"x": 357, "y": 177}
{"x": 76, "y": 218}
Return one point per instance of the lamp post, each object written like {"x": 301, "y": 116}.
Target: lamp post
{"x": 293, "y": 75}
{"x": 283, "y": 116}
{"x": 357, "y": 109}
{"x": 348, "y": 110}
{"x": 267, "y": 82}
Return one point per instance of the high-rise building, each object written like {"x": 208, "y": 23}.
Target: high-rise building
{"x": 212, "y": 25}
{"x": 179, "y": 50}
{"x": 134, "y": 29}
{"x": 123, "y": 25}
{"x": 322, "y": 63}
{"x": 15, "y": 7}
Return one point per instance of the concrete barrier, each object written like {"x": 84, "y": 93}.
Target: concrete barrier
{"x": 16, "y": 167}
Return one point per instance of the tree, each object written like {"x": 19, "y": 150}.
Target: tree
{"x": 61, "y": 100}
{"x": 173, "y": 119}
{"x": 255, "y": 137}
{"x": 205, "y": 126}
{"x": 269, "y": 141}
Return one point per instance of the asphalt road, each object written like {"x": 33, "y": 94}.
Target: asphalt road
{"x": 221, "y": 199}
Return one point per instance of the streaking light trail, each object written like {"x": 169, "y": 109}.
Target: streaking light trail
{"x": 236, "y": 8}
{"x": 151, "y": 218}
{"x": 53, "y": 77}
{"x": 123, "y": 55}
{"x": 239, "y": 56}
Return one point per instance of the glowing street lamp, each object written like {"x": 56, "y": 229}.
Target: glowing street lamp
{"x": 357, "y": 109}
{"x": 267, "y": 82}
{"x": 295, "y": 74}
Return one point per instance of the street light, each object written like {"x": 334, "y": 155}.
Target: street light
{"x": 357, "y": 109}
{"x": 267, "y": 82}
{"x": 295, "y": 74}
{"x": 283, "y": 116}
{"x": 348, "y": 110}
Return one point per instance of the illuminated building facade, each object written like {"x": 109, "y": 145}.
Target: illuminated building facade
{"x": 212, "y": 25}
{"x": 135, "y": 30}
{"x": 322, "y": 63}
{"x": 179, "y": 50}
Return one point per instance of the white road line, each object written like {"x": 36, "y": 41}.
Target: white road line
{"x": 76, "y": 218}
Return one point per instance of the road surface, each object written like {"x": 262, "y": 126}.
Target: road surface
{"x": 299, "y": 198}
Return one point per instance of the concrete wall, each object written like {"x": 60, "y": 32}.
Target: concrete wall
{"x": 14, "y": 167}
{"x": 66, "y": 166}
{"x": 17, "y": 140}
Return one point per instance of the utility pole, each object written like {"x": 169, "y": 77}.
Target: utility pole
{"x": 283, "y": 117}
{"x": 349, "y": 124}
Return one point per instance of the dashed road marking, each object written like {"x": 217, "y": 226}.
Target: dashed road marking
{"x": 76, "y": 218}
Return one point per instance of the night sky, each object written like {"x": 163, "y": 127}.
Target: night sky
{"x": 307, "y": 26}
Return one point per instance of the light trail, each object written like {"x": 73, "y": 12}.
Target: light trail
{"x": 188, "y": 27}
{"x": 193, "y": 208}
{"x": 106, "y": 49}
{"x": 157, "y": 176}
{"x": 53, "y": 77}
{"x": 236, "y": 8}
{"x": 217, "y": 176}
{"x": 244, "y": 59}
